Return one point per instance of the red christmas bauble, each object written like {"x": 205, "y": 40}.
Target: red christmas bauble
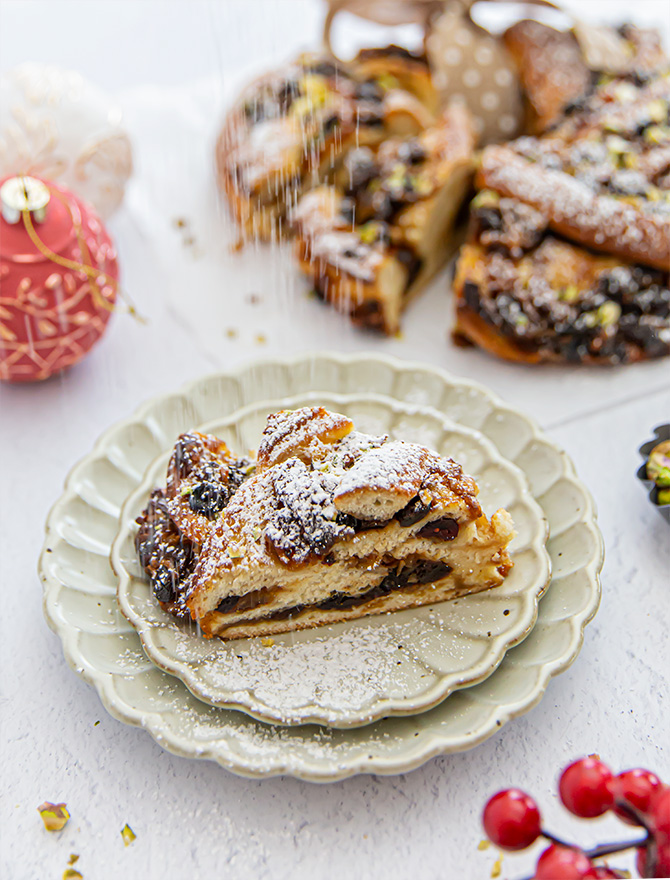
{"x": 52, "y": 314}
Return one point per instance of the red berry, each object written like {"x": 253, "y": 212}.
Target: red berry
{"x": 584, "y": 788}
{"x": 511, "y": 819}
{"x": 641, "y": 861}
{"x": 564, "y": 863}
{"x": 634, "y": 787}
{"x": 656, "y": 862}
{"x": 662, "y": 857}
{"x": 659, "y": 813}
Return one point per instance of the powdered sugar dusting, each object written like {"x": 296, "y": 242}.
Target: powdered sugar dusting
{"x": 573, "y": 208}
{"x": 396, "y": 466}
{"x": 304, "y": 522}
{"x": 295, "y": 511}
{"x": 348, "y": 670}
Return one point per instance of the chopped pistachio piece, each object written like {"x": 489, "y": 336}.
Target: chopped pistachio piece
{"x": 487, "y": 198}
{"x": 663, "y": 496}
{"x": 54, "y": 816}
{"x": 657, "y": 134}
{"x": 421, "y": 184}
{"x": 387, "y": 81}
{"x": 616, "y": 144}
{"x": 612, "y": 126}
{"x": 630, "y": 160}
{"x": 658, "y": 463}
{"x": 657, "y": 110}
{"x": 496, "y": 870}
{"x": 570, "y": 294}
{"x": 315, "y": 89}
{"x": 396, "y": 178}
{"x": 127, "y": 834}
{"x": 72, "y": 874}
{"x": 608, "y": 313}
{"x": 302, "y": 107}
{"x": 368, "y": 232}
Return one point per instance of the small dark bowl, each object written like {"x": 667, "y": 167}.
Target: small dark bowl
{"x": 662, "y": 432}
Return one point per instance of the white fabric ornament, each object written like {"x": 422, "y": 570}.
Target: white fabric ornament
{"x": 58, "y": 126}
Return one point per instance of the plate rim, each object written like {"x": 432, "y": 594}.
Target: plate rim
{"x": 311, "y": 770}
{"x": 382, "y": 707}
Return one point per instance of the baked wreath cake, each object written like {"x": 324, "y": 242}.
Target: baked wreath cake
{"x": 554, "y": 75}
{"x": 290, "y": 129}
{"x": 372, "y": 240}
{"x": 328, "y": 524}
{"x": 569, "y": 250}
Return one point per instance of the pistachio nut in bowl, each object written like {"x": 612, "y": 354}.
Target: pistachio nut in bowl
{"x": 655, "y": 470}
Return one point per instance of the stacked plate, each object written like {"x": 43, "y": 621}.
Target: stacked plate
{"x": 382, "y": 694}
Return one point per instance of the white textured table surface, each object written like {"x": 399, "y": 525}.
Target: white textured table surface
{"x": 171, "y": 64}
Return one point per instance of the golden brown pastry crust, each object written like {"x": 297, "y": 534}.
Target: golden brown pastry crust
{"x": 569, "y": 248}
{"x": 554, "y": 73}
{"x": 599, "y": 221}
{"x": 330, "y": 526}
{"x": 579, "y": 306}
{"x": 292, "y": 126}
{"x": 369, "y": 246}
{"x": 551, "y": 70}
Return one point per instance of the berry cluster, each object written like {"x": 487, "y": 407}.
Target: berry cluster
{"x": 588, "y": 788}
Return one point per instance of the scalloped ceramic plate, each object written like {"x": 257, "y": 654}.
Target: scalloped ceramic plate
{"x": 100, "y": 645}
{"x": 359, "y": 671}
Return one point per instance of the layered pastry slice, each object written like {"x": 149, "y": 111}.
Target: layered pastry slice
{"x": 374, "y": 238}
{"x": 526, "y": 295}
{"x": 332, "y": 525}
{"x": 202, "y": 476}
{"x": 555, "y": 75}
{"x": 569, "y": 251}
{"x": 290, "y": 129}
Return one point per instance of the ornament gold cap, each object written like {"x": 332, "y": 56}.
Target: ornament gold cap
{"x": 22, "y": 193}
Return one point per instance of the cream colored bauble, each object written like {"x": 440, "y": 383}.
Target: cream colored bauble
{"x": 56, "y": 125}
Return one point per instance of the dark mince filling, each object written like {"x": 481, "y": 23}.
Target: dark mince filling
{"x": 422, "y": 572}
{"x": 249, "y": 600}
{"x": 168, "y": 558}
{"x": 445, "y": 529}
{"x": 625, "y": 308}
{"x": 584, "y": 329}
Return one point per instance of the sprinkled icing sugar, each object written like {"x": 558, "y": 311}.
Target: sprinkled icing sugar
{"x": 295, "y": 505}
{"x": 317, "y": 217}
{"x": 305, "y": 519}
{"x": 291, "y": 432}
{"x": 346, "y": 671}
{"x": 396, "y": 466}
{"x": 573, "y": 207}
